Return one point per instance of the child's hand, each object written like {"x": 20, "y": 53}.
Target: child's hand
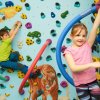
{"x": 96, "y": 64}
{"x": 18, "y": 23}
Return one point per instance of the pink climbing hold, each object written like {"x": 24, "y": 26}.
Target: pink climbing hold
{"x": 64, "y": 84}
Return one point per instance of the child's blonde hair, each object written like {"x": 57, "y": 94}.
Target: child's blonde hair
{"x": 78, "y": 26}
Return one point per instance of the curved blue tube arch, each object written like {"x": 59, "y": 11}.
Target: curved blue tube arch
{"x": 61, "y": 38}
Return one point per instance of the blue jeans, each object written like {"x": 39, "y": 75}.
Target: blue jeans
{"x": 13, "y": 63}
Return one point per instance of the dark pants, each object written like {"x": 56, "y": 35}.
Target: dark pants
{"x": 13, "y": 63}
{"x": 84, "y": 91}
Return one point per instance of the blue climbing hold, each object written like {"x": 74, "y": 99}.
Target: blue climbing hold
{"x": 9, "y": 3}
{"x": 52, "y": 14}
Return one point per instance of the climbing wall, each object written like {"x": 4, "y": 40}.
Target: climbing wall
{"x": 41, "y": 20}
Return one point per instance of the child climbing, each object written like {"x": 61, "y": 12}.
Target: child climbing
{"x": 79, "y": 59}
{"x": 9, "y": 59}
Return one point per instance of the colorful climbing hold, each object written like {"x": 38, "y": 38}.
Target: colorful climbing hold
{"x": 28, "y": 25}
{"x": 8, "y": 29}
{"x": 0, "y": 3}
{"x": 18, "y": 8}
{"x": 40, "y": 58}
{"x": 23, "y": 16}
{"x": 63, "y": 48}
{"x": 20, "y": 74}
{"x": 64, "y": 14}
{"x": 19, "y": 44}
{"x": 53, "y": 49}
{"x": 26, "y": 98}
{"x": 48, "y": 58}
{"x": 53, "y": 32}
{"x": 28, "y": 58}
{"x": 38, "y": 40}
{"x": 77, "y": 4}
{"x": 20, "y": 58}
{"x": 58, "y": 7}
{"x": 27, "y": 6}
{"x": 65, "y": 66}
{"x": 68, "y": 40}
{"x": 59, "y": 75}
{"x": 35, "y": 34}
{"x": 47, "y": 87}
{"x": 52, "y": 14}
{"x": 42, "y": 15}
{"x": 58, "y": 23}
{"x": 22, "y": 0}
{"x": 10, "y": 70}
{"x": 26, "y": 84}
{"x": 39, "y": 92}
{"x": 11, "y": 86}
{"x": 7, "y": 94}
{"x": 35, "y": 83}
{"x": 29, "y": 41}
{"x": 2, "y": 86}
{"x": 9, "y": 3}
{"x": 40, "y": 76}
{"x": 59, "y": 92}
{"x": 2, "y": 70}
{"x": 64, "y": 84}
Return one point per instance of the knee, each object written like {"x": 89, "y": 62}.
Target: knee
{"x": 14, "y": 56}
{"x": 16, "y": 53}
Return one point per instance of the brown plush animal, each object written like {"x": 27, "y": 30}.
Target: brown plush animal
{"x": 44, "y": 84}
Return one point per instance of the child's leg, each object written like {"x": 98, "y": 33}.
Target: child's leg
{"x": 14, "y": 65}
{"x": 83, "y": 92}
{"x": 19, "y": 66}
{"x": 14, "y": 56}
{"x": 92, "y": 86}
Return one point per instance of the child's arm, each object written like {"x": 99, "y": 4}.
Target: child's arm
{"x": 79, "y": 68}
{"x": 93, "y": 34}
{"x": 15, "y": 29}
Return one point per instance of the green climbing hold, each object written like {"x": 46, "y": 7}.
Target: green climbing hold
{"x": 64, "y": 14}
{"x": 28, "y": 58}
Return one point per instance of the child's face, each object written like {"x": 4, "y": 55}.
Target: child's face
{"x": 79, "y": 38}
{"x": 5, "y": 36}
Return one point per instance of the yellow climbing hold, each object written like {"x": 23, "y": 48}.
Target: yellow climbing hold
{"x": 30, "y": 91}
{"x": 35, "y": 83}
{"x": 10, "y": 70}
{"x": 29, "y": 41}
{"x": 7, "y": 94}
{"x": 21, "y": 58}
{"x": 98, "y": 76}
{"x": 11, "y": 86}
{"x": 20, "y": 74}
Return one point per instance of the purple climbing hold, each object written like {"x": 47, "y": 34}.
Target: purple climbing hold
{"x": 28, "y": 25}
{"x": 63, "y": 48}
{"x": 64, "y": 84}
{"x": 7, "y": 78}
